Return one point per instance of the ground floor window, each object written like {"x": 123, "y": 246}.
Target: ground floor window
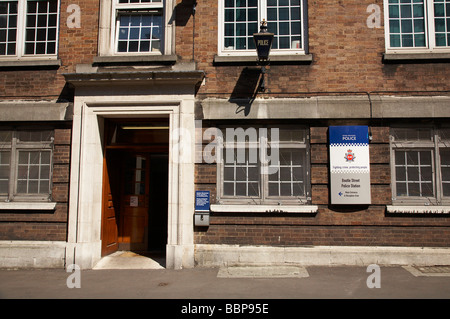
{"x": 264, "y": 165}
{"x": 25, "y": 164}
{"x": 420, "y": 159}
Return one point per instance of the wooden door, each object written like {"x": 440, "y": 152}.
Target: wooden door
{"x": 111, "y": 206}
{"x": 133, "y": 234}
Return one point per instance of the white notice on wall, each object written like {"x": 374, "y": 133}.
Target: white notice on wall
{"x": 134, "y": 201}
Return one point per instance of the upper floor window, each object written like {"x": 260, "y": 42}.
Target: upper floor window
{"x": 139, "y": 26}
{"x": 417, "y": 25}
{"x": 420, "y": 165}
{"x": 28, "y": 28}
{"x": 239, "y": 19}
{"x": 136, "y": 27}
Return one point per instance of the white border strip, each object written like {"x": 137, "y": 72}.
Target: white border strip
{"x": 28, "y": 206}
{"x": 212, "y": 255}
{"x": 419, "y": 209}
{"x": 264, "y": 208}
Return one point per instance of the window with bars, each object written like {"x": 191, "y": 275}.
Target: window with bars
{"x": 413, "y": 173}
{"x": 420, "y": 165}
{"x": 241, "y": 177}
{"x": 289, "y": 177}
{"x": 25, "y": 165}
{"x": 239, "y": 19}
{"x": 420, "y": 25}
{"x": 445, "y": 168}
{"x": 264, "y": 168}
{"x": 28, "y": 28}
{"x": 139, "y": 26}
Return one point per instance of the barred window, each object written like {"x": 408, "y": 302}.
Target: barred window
{"x": 289, "y": 178}
{"x": 264, "y": 165}
{"x": 413, "y": 171}
{"x": 5, "y": 159}
{"x": 33, "y": 172}
{"x": 420, "y": 165}
{"x": 241, "y": 178}
{"x": 445, "y": 168}
{"x": 26, "y": 164}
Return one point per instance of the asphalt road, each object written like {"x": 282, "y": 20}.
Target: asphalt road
{"x": 204, "y": 283}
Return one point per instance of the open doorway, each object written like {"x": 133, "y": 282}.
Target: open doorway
{"x": 135, "y": 186}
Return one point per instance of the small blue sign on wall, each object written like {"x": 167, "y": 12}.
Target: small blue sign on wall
{"x": 202, "y": 201}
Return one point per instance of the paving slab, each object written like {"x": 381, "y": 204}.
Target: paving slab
{"x": 265, "y": 271}
{"x": 429, "y": 271}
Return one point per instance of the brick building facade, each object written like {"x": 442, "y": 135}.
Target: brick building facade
{"x": 107, "y": 91}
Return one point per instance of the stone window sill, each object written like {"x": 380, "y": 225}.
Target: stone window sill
{"x": 415, "y": 57}
{"x": 30, "y": 63}
{"x": 27, "y": 206}
{"x": 133, "y": 59}
{"x": 309, "y": 209}
{"x": 276, "y": 59}
{"x": 418, "y": 209}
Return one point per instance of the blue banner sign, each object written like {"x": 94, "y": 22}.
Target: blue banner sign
{"x": 349, "y": 165}
{"x": 349, "y": 135}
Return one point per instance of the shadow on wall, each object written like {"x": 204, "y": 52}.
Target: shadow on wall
{"x": 246, "y": 89}
{"x": 183, "y": 12}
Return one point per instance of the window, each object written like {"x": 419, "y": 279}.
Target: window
{"x": 239, "y": 19}
{"x": 28, "y": 28}
{"x": 419, "y": 25}
{"x": 421, "y": 165}
{"x": 136, "y": 29}
{"x": 264, "y": 165}
{"x": 25, "y": 165}
{"x": 139, "y": 26}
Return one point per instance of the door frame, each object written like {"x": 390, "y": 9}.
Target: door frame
{"x": 85, "y": 210}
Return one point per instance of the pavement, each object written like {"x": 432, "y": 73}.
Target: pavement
{"x": 239, "y": 283}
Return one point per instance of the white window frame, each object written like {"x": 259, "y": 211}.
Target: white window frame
{"x": 262, "y": 15}
{"x": 108, "y": 36}
{"x": 430, "y": 40}
{"x": 434, "y": 145}
{"x": 117, "y": 7}
{"x": 260, "y": 145}
{"x": 14, "y": 147}
{"x": 20, "y": 36}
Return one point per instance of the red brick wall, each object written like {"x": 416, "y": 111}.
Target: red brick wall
{"x": 76, "y": 46}
{"x": 254, "y": 231}
{"x": 44, "y": 225}
{"x": 331, "y": 225}
{"x": 347, "y": 56}
{"x": 347, "y": 59}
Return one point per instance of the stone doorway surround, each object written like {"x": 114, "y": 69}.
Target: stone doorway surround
{"x": 130, "y": 95}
